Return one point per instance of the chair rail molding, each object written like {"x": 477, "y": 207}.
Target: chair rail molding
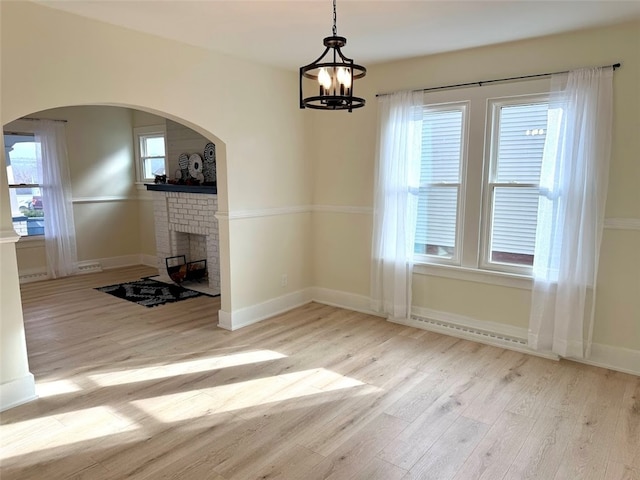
{"x": 622, "y": 223}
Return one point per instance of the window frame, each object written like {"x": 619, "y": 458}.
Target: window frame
{"x": 470, "y": 268}
{"x": 25, "y": 132}
{"x": 490, "y": 183}
{"x": 139, "y": 134}
{"x": 462, "y": 106}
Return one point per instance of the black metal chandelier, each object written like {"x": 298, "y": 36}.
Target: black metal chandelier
{"x": 332, "y": 75}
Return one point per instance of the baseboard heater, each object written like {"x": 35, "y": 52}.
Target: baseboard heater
{"x": 470, "y": 331}
{"x": 89, "y": 267}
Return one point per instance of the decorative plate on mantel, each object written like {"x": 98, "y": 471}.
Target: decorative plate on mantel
{"x": 209, "y": 163}
{"x": 195, "y": 165}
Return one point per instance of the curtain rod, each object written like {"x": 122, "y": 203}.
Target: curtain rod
{"x": 37, "y": 119}
{"x": 483, "y": 82}
{"x": 22, "y": 134}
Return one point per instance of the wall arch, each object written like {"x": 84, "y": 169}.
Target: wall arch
{"x": 221, "y": 180}
{"x": 250, "y": 108}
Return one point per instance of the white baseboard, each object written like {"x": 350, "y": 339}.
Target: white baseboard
{"x": 337, "y": 298}
{"x": 491, "y": 333}
{"x": 148, "y": 260}
{"x": 224, "y": 320}
{"x": 514, "y": 338}
{"x": 261, "y": 311}
{"x": 121, "y": 261}
{"x": 613, "y": 358}
{"x": 92, "y": 266}
{"x": 16, "y": 392}
{"x": 126, "y": 261}
{"x": 38, "y": 274}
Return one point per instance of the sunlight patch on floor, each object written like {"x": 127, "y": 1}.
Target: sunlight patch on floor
{"x": 94, "y": 426}
{"x": 249, "y": 394}
{"x": 183, "y": 368}
{"x": 56, "y": 387}
{"x": 61, "y": 430}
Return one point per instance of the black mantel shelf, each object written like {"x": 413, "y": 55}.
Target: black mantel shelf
{"x": 169, "y": 187}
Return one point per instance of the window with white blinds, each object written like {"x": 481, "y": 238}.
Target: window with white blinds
{"x": 511, "y": 191}
{"x": 440, "y": 181}
{"x": 482, "y": 152}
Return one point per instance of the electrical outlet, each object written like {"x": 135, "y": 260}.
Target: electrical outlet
{"x": 284, "y": 280}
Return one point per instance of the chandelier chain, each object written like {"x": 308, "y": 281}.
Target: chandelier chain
{"x": 335, "y": 29}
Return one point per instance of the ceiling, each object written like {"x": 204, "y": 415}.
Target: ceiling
{"x": 288, "y": 34}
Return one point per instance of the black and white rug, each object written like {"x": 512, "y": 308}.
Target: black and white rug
{"x": 150, "y": 293}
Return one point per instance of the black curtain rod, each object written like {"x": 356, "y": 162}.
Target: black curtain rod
{"x": 37, "y": 119}
{"x": 484, "y": 82}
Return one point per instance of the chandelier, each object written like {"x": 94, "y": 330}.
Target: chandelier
{"x": 332, "y": 77}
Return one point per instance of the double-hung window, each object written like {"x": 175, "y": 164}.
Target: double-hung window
{"x": 25, "y": 179}
{"x": 480, "y": 178}
{"x": 516, "y": 145}
{"x": 150, "y": 152}
{"x": 443, "y": 157}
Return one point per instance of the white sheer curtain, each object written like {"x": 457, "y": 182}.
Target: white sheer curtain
{"x": 574, "y": 179}
{"x": 59, "y": 227}
{"x": 397, "y": 180}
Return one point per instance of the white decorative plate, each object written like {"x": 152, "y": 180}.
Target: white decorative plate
{"x": 195, "y": 165}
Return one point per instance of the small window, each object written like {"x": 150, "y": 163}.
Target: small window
{"x": 438, "y": 226}
{"x": 24, "y": 178}
{"x": 517, "y": 143}
{"x": 150, "y": 152}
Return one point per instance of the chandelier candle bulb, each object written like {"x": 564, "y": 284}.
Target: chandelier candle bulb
{"x": 325, "y": 82}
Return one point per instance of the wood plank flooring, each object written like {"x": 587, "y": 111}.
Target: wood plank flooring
{"x": 316, "y": 393}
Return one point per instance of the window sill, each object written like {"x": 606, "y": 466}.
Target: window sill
{"x": 34, "y": 241}
{"x": 474, "y": 275}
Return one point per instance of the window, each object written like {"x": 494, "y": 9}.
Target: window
{"x": 482, "y": 150}
{"x": 24, "y": 176}
{"x": 511, "y": 203}
{"x": 150, "y": 152}
{"x": 440, "y": 182}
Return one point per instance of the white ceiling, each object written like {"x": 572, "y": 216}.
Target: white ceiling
{"x": 289, "y": 34}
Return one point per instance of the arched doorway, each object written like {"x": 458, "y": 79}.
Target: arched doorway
{"x": 105, "y": 186}
{"x": 20, "y": 386}
{"x": 109, "y": 177}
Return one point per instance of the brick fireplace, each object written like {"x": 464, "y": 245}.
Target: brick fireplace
{"x": 186, "y": 225}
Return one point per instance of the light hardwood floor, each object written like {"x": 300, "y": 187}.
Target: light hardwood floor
{"x": 319, "y": 392}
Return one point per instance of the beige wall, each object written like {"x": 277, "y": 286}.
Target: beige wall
{"x": 101, "y": 159}
{"x": 273, "y": 156}
{"x": 251, "y": 114}
{"x": 146, "y": 225}
{"x": 344, "y": 167}
{"x": 145, "y": 119}
{"x": 102, "y": 171}
{"x": 281, "y": 248}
